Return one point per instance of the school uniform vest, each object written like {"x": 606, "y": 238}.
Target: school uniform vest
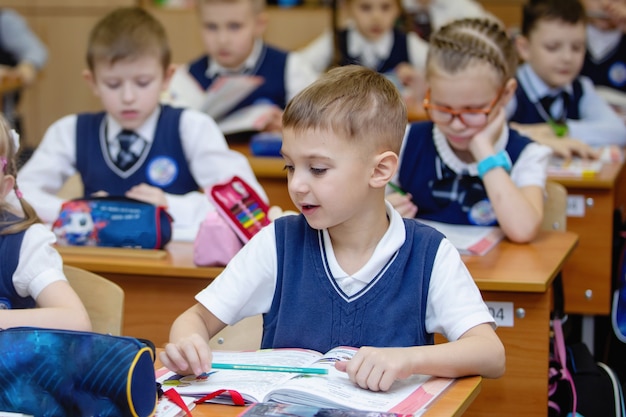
{"x": 611, "y": 71}
{"x": 271, "y": 65}
{"x": 310, "y": 311}
{"x": 527, "y": 111}
{"x": 164, "y": 166}
{"x": 10, "y": 246}
{"x": 399, "y": 52}
{"x": 418, "y": 176}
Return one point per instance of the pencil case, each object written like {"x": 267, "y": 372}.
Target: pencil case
{"x": 113, "y": 222}
{"x": 58, "y": 373}
{"x": 266, "y": 144}
{"x": 239, "y": 214}
{"x": 240, "y": 206}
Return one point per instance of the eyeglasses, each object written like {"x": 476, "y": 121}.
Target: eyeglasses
{"x": 469, "y": 117}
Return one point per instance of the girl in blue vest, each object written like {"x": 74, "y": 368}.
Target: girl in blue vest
{"x": 347, "y": 271}
{"x": 466, "y": 166}
{"x": 33, "y": 289}
{"x": 371, "y": 39}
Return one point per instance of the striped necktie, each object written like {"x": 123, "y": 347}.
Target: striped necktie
{"x": 130, "y": 149}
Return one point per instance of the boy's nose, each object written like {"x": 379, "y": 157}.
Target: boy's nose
{"x": 128, "y": 94}
{"x": 296, "y": 184}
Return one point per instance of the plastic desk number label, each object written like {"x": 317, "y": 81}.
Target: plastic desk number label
{"x": 576, "y": 206}
{"x": 502, "y": 312}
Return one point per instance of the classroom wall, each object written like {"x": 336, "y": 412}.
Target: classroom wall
{"x": 63, "y": 25}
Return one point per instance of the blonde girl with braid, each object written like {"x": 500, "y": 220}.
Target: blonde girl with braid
{"x": 33, "y": 288}
{"x": 465, "y": 165}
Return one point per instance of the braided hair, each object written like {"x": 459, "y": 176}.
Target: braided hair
{"x": 8, "y": 150}
{"x": 463, "y": 42}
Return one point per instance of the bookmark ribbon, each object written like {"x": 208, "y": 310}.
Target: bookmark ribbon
{"x": 174, "y": 397}
{"x": 234, "y": 395}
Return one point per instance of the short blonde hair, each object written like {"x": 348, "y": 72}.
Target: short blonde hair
{"x": 463, "y": 42}
{"x": 127, "y": 32}
{"x": 8, "y": 163}
{"x": 257, "y": 5}
{"x": 354, "y": 102}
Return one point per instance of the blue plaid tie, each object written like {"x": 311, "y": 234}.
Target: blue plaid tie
{"x": 128, "y": 153}
{"x": 462, "y": 188}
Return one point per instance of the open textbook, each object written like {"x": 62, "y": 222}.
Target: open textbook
{"x": 222, "y": 96}
{"x": 290, "y": 410}
{"x": 585, "y": 168}
{"x": 469, "y": 239}
{"x": 333, "y": 390}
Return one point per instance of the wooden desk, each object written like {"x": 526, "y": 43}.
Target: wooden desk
{"x": 157, "y": 291}
{"x": 587, "y": 275}
{"x": 453, "y": 402}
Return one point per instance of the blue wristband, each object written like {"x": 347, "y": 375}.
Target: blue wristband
{"x": 501, "y": 159}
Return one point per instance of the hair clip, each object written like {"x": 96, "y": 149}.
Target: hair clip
{"x": 16, "y": 139}
{"x": 3, "y": 162}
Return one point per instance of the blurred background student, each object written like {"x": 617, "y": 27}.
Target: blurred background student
{"x": 22, "y": 56}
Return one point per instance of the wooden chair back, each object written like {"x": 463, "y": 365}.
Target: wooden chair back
{"x": 103, "y": 299}
{"x": 245, "y": 335}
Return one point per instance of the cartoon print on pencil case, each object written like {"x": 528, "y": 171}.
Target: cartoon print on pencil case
{"x": 75, "y": 225}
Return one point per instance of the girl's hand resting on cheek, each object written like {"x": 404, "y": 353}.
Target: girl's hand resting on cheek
{"x": 481, "y": 145}
{"x": 376, "y": 369}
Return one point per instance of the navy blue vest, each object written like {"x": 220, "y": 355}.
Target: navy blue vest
{"x": 271, "y": 66}
{"x": 611, "y": 71}
{"x": 527, "y": 112}
{"x": 10, "y": 245}
{"x": 165, "y": 165}
{"x": 418, "y": 169}
{"x": 399, "y": 52}
{"x": 310, "y": 311}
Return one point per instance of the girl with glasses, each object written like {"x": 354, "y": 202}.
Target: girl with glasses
{"x": 465, "y": 166}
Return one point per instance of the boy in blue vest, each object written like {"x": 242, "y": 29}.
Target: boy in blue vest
{"x": 348, "y": 270}
{"x": 553, "y": 104}
{"x": 136, "y": 147}
{"x": 232, "y": 33}
{"x": 605, "y": 59}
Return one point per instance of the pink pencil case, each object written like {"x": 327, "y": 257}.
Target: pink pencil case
{"x": 240, "y": 206}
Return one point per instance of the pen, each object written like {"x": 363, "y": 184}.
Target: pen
{"x": 270, "y": 368}
{"x": 396, "y": 188}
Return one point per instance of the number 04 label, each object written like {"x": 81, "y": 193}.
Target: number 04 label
{"x": 502, "y": 312}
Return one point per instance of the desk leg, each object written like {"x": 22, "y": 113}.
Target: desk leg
{"x": 588, "y": 332}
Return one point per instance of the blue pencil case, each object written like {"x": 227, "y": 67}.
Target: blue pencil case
{"x": 266, "y": 144}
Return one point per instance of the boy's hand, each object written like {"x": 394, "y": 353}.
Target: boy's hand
{"x": 565, "y": 147}
{"x": 190, "y": 355}
{"x": 413, "y": 80}
{"x": 274, "y": 121}
{"x": 148, "y": 194}
{"x": 403, "y": 204}
{"x": 376, "y": 369}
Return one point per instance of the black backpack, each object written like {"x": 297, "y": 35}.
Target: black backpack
{"x": 577, "y": 383}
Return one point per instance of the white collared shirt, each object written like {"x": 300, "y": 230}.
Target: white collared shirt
{"x": 319, "y": 53}
{"x": 602, "y": 42}
{"x": 454, "y": 303}
{"x": 204, "y": 146}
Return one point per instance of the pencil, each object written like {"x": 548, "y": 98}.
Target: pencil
{"x": 270, "y": 368}
{"x": 396, "y": 188}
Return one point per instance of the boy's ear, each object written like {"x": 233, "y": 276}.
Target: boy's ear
{"x": 90, "y": 78}
{"x": 167, "y": 76}
{"x": 522, "y": 46}
{"x": 6, "y": 185}
{"x": 385, "y": 167}
{"x": 261, "y": 24}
